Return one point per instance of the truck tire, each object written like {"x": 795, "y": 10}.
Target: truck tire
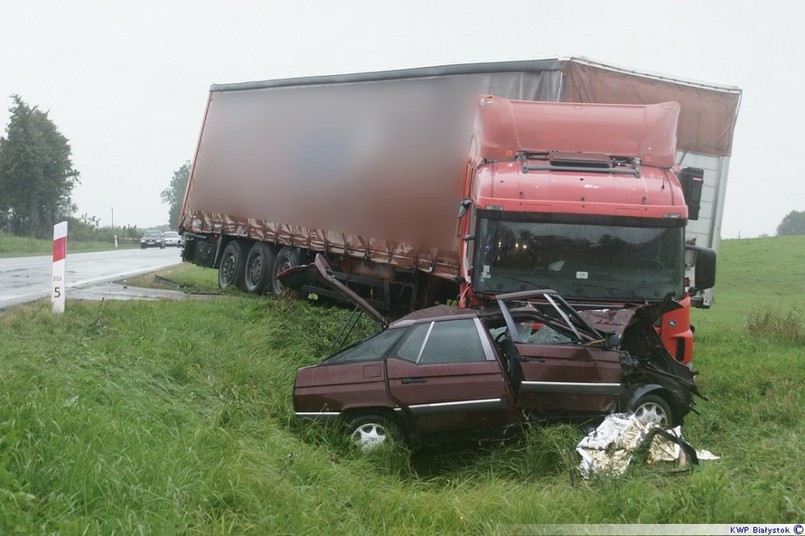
{"x": 259, "y": 268}
{"x": 230, "y": 272}
{"x": 286, "y": 258}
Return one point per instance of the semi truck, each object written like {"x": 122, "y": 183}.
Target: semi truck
{"x": 462, "y": 182}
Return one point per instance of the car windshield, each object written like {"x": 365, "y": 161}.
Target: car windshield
{"x": 579, "y": 260}
{"x": 171, "y": 234}
{"x": 153, "y": 234}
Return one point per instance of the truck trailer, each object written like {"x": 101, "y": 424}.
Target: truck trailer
{"x": 462, "y": 182}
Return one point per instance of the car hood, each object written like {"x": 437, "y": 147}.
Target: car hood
{"x": 617, "y": 320}
{"x": 319, "y": 272}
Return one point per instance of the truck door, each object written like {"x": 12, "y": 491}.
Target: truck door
{"x": 445, "y": 376}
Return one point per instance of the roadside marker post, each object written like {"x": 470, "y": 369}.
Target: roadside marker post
{"x": 57, "y": 295}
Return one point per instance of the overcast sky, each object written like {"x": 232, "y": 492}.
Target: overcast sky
{"x": 127, "y": 82}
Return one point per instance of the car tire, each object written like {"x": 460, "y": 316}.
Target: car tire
{"x": 286, "y": 258}
{"x": 259, "y": 268}
{"x": 369, "y": 431}
{"x": 230, "y": 272}
{"x": 654, "y": 409}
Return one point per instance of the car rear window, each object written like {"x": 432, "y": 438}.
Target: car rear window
{"x": 372, "y": 349}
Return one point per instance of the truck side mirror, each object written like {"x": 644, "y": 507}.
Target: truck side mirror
{"x": 705, "y": 268}
{"x": 692, "y": 180}
{"x": 464, "y": 207}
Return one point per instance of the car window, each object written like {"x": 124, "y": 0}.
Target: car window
{"x": 372, "y": 349}
{"x": 411, "y": 346}
{"x": 547, "y": 335}
{"x": 532, "y": 331}
{"x": 451, "y": 341}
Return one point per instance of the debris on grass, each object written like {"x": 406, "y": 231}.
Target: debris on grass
{"x": 610, "y": 448}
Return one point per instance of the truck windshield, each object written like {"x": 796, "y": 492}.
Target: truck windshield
{"x": 587, "y": 261}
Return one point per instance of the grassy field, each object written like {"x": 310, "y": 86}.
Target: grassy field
{"x": 20, "y": 246}
{"x": 176, "y": 418}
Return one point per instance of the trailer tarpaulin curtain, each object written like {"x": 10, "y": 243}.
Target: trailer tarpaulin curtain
{"x": 708, "y": 116}
{"x": 522, "y": 85}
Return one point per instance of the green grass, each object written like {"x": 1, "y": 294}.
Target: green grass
{"x": 757, "y": 274}
{"x": 19, "y": 246}
{"x": 176, "y": 418}
{"x": 186, "y": 277}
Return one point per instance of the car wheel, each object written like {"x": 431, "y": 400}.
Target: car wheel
{"x": 259, "y": 268}
{"x": 653, "y": 409}
{"x": 230, "y": 273}
{"x": 286, "y": 258}
{"x": 370, "y": 431}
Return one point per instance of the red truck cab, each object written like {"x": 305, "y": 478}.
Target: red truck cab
{"x": 580, "y": 198}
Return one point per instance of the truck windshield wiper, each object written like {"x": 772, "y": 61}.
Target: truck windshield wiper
{"x": 627, "y": 292}
{"x": 536, "y": 286}
{"x": 531, "y": 284}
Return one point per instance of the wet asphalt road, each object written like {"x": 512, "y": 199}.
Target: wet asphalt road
{"x": 25, "y": 279}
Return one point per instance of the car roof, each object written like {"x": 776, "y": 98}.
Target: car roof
{"x": 437, "y": 312}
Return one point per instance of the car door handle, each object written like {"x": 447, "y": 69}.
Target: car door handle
{"x": 408, "y": 381}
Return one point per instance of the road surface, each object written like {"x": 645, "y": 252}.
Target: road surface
{"x": 25, "y": 279}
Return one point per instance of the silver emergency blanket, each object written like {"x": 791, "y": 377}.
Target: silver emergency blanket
{"x": 610, "y": 448}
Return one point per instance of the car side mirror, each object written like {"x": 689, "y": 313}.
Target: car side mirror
{"x": 613, "y": 340}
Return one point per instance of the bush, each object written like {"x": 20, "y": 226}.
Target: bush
{"x": 769, "y": 322}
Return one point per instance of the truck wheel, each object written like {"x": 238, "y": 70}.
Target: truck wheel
{"x": 653, "y": 409}
{"x": 259, "y": 268}
{"x": 230, "y": 273}
{"x": 286, "y": 258}
{"x": 370, "y": 431}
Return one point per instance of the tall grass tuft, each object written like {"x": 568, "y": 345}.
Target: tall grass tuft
{"x": 768, "y": 321}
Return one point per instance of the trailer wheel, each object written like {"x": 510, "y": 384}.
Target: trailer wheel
{"x": 259, "y": 268}
{"x": 230, "y": 273}
{"x": 286, "y": 258}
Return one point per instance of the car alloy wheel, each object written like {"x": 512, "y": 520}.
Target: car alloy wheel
{"x": 369, "y": 432}
{"x": 653, "y": 409}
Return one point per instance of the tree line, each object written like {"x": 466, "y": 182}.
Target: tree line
{"x": 36, "y": 173}
{"x": 793, "y": 224}
{"x": 37, "y": 178}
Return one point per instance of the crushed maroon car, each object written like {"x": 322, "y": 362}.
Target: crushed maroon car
{"x": 446, "y": 372}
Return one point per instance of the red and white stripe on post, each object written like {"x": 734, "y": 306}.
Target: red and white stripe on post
{"x": 59, "y": 259}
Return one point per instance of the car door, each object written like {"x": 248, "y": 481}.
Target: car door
{"x": 445, "y": 376}
{"x": 562, "y": 376}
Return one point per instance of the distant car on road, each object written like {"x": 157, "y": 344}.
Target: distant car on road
{"x": 152, "y": 238}
{"x": 172, "y": 239}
